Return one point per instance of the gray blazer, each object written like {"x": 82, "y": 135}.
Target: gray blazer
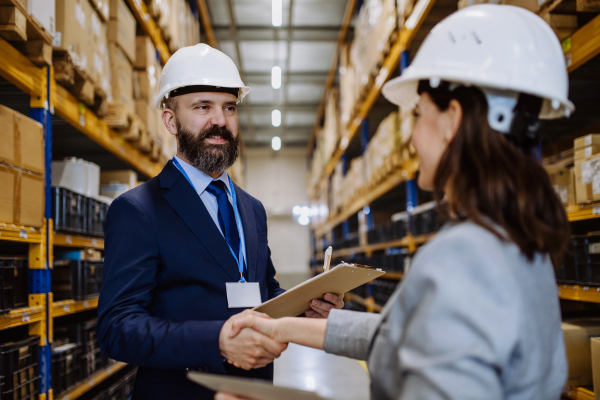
{"x": 473, "y": 319}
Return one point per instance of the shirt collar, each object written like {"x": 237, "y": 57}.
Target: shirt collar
{"x": 201, "y": 180}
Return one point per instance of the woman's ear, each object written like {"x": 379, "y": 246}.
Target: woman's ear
{"x": 454, "y": 116}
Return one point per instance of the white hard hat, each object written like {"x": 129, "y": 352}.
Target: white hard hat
{"x": 504, "y": 50}
{"x": 199, "y": 65}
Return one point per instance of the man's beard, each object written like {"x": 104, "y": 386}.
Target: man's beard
{"x": 208, "y": 158}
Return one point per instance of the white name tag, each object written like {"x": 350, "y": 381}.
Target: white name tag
{"x": 243, "y": 295}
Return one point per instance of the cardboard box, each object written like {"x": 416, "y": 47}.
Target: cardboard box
{"x": 592, "y": 139}
{"x": 13, "y": 23}
{"x": 121, "y": 77}
{"x": 44, "y": 12}
{"x": 531, "y": 5}
{"x": 72, "y": 29}
{"x": 121, "y": 28}
{"x": 146, "y": 84}
{"x": 21, "y": 197}
{"x": 595, "y": 347}
{"x": 562, "y": 24}
{"x": 571, "y": 197}
{"x": 577, "y": 335}
{"x": 587, "y": 179}
{"x": 560, "y": 180}
{"x": 124, "y": 176}
{"x": 588, "y": 151}
{"x": 147, "y": 115}
{"x": 145, "y": 53}
{"x": 588, "y": 5}
{"x": 22, "y": 141}
{"x": 102, "y": 8}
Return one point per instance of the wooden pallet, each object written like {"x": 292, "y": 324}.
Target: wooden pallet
{"x": 25, "y": 33}
{"x": 68, "y": 74}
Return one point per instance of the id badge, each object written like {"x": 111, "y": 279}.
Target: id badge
{"x": 243, "y": 295}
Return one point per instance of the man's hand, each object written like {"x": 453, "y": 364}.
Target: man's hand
{"x": 320, "y": 308}
{"x": 249, "y": 349}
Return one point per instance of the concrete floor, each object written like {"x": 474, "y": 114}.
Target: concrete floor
{"x": 337, "y": 378}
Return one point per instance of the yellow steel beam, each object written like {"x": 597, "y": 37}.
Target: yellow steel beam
{"x": 18, "y": 70}
{"x": 583, "y": 212}
{"x": 23, "y": 316}
{"x": 579, "y": 394}
{"x": 367, "y": 303}
{"x": 92, "y": 381}
{"x": 583, "y": 45}
{"x": 19, "y": 233}
{"x": 61, "y": 239}
{"x": 206, "y": 24}
{"x": 79, "y": 116}
{"x": 67, "y": 307}
{"x": 589, "y": 294}
{"x": 140, "y": 11}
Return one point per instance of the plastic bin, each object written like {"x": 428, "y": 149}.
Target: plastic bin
{"x": 76, "y": 279}
{"x": 69, "y": 210}
{"x": 13, "y": 283}
{"x": 65, "y": 367}
{"x": 96, "y": 214}
{"x": 19, "y": 362}
{"x": 129, "y": 381}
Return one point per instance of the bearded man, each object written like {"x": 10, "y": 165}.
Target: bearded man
{"x": 187, "y": 251}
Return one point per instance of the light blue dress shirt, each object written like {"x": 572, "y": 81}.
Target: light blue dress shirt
{"x": 200, "y": 181}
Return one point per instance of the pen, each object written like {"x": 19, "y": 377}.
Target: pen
{"x": 327, "y": 260}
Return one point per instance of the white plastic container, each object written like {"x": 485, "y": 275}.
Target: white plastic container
{"x": 92, "y": 179}
{"x": 71, "y": 173}
{"x": 113, "y": 191}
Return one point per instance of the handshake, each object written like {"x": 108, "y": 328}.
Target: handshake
{"x": 251, "y": 340}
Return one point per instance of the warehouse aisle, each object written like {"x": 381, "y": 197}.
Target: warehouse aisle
{"x": 336, "y": 377}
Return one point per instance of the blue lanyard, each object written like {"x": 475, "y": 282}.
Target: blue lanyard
{"x": 239, "y": 259}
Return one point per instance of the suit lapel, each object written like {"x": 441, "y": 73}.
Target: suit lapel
{"x": 249, "y": 223}
{"x": 186, "y": 202}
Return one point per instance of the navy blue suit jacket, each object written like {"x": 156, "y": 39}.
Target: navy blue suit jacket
{"x": 163, "y": 299}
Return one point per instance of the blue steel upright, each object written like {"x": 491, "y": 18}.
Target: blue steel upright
{"x": 39, "y": 279}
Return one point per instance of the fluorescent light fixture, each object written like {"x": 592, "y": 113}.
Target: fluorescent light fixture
{"x": 416, "y": 15}
{"x": 277, "y": 12}
{"x": 296, "y": 210}
{"x": 276, "y": 143}
{"x": 304, "y": 220}
{"x": 305, "y": 211}
{"x": 276, "y": 118}
{"x": 276, "y": 77}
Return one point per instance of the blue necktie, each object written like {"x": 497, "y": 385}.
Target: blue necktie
{"x": 226, "y": 215}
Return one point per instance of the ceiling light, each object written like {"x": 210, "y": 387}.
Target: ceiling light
{"x": 303, "y": 220}
{"x": 276, "y": 143}
{"x": 277, "y": 12}
{"x": 276, "y": 77}
{"x": 276, "y": 118}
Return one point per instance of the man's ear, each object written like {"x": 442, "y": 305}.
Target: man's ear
{"x": 168, "y": 117}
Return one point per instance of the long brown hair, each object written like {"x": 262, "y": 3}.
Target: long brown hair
{"x": 486, "y": 177}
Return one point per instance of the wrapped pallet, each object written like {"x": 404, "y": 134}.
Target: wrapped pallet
{"x": 347, "y": 85}
{"x": 331, "y": 127}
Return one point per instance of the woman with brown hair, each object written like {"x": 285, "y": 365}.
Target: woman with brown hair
{"x": 477, "y": 316}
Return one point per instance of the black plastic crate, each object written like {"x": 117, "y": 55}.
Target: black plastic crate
{"x": 129, "y": 381}
{"x": 69, "y": 210}
{"x": 20, "y": 369}
{"x": 65, "y": 367}
{"x": 96, "y": 217}
{"x": 90, "y": 363}
{"x": 13, "y": 283}
{"x": 76, "y": 279}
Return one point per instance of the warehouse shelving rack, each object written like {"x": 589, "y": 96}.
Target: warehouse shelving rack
{"x": 47, "y": 99}
{"x": 582, "y": 46}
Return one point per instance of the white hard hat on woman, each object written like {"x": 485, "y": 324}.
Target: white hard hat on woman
{"x": 200, "y": 68}
{"x": 503, "y": 50}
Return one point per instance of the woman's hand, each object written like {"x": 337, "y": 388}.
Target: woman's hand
{"x": 321, "y": 309}
{"x": 268, "y": 327}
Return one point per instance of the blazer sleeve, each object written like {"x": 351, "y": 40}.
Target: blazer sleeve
{"x": 274, "y": 289}
{"x": 126, "y": 330}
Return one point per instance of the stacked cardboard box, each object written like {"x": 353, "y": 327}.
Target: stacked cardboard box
{"x": 385, "y": 142}
{"x": 348, "y": 86}
{"x": 587, "y": 168}
{"x": 21, "y": 169}
{"x": 330, "y": 133}
{"x": 577, "y": 335}
{"x": 122, "y": 54}
{"x": 354, "y": 180}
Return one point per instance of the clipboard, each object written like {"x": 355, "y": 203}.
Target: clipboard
{"x": 338, "y": 280}
{"x": 253, "y": 388}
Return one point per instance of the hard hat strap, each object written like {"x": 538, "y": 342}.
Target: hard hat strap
{"x": 204, "y": 88}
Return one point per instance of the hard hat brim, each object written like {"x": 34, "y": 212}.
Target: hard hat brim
{"x": 244, "y": 90}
